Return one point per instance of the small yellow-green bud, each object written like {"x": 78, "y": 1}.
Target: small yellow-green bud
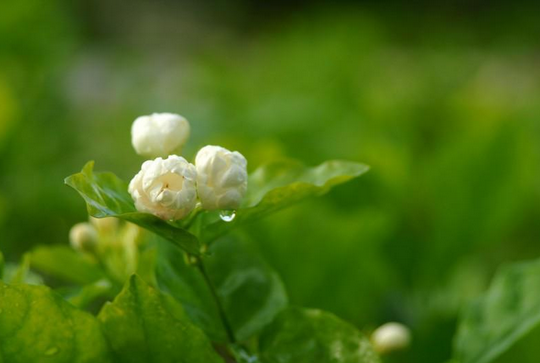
{"x": 83, "y": 237}
{"x": 106, "y": 226}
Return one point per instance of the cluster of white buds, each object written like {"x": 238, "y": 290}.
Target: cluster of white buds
{"x": 170, "y": 188}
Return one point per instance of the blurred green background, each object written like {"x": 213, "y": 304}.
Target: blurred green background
{"x": 442, "y": 100}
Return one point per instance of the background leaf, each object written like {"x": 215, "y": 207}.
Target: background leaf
{"x": 21, "y": 273}
{"x": 37, "y": 325}
{"x": 305, "y": 335}
{"x": 250, "y": 291}
{"x": 64, "y": 263}
{"x": 142, "y": 325}
{"x": 507, "y": 312}
{"x": 107, "y": 196}
{"x": 447, "y": 119}
{"x": 2, "y": 264}
{"x": 84, "y": 297}
{"x": 277, "y": 185}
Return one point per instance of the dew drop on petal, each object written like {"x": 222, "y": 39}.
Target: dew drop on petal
{"x": 227, "y": 215}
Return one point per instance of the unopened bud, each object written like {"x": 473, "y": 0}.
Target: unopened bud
{"x": 159, "y": 134}
{"x": 221, "y": 177}
{"x": 391, "y": 337}
{"x": 83, "y": 237}
{"x": 105, "y": 226}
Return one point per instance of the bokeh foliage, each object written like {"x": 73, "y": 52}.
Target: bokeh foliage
{"x": 444, "y": 112}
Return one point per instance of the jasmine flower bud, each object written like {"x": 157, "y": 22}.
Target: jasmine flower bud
{"x": 83, "y": 237}
{"x": 105, "y": 226}
{"x": 159, "y": 134}
{"x": 165, "y": 188}
{"x": 221, "y": 177}
{"x": 391, "y": 337}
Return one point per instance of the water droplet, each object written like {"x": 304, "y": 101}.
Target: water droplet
{"x": 52, "y": 351}
{"x": 227, "y": 215}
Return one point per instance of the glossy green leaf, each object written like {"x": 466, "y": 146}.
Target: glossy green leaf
{"x": 273, "y": 182}
{"x": 64, "y": 263}
{"x": 187, "y": 285}
{"x": 280, "y": 184}
{"x": 143, "y": 325}
{"x": 251, "y": 292}
{"x": 306, "y": 336}
{"x": 37, "y": 325}
{"x": 505, "y": 314}
{"x": 107, "y": 196}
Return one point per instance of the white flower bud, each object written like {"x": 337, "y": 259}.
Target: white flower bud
{"x": 159, "y": 134}
{"x": 221, "y": 177}
{"x": 83, "y": 237}
{"x": 105, "y": 226}
{"x": 391, "y": 337}
{"x": 165, "y": 188}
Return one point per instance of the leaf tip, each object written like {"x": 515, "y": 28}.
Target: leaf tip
{"x": 88, "y": 168}
{"x": 134, "y": 280}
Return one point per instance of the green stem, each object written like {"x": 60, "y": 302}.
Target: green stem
{"x": 116, "y": 284}
{"x": 221, "y": 311}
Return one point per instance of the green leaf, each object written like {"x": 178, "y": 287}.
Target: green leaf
{"x": 146, "y": 268}
{"x": 305, "y": 335}
{"x": 64, "y": 263}
{"x": 250, "y": 292}
{"x": 280, "y": 184}
{"x": 107, "y": 196}
{"x": 37, "y": 325}
{"x": 143, "y": 325}
{"x": 21, "y": 273}
{"x": 2, "y": 264}
{"x": 187, "y": 286}
{"x": 505, "y": 314}
{"x": 274, "y": 183}
{"x": 83, "y": 297}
